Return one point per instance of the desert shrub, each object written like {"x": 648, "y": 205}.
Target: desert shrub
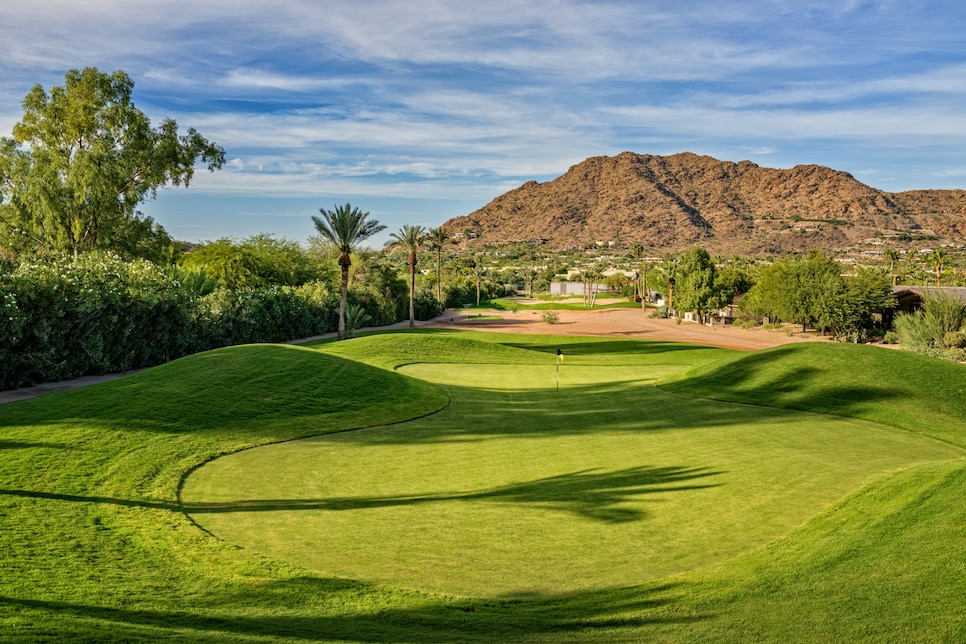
{"x": 661, "y": 312}
{"x": 551, "y": 317}
{"x": 936, "y": 328}
{"x": 955, "y": 340}
{"x": 942, "y": 314}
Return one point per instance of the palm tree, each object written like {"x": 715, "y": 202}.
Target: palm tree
{"x": 939, "y": 257}
{"x": 410, "y": 238}
{"x": 529, "y": 274}
{"x": 479, "y": 274}
{"x": 892, "y": 255}
{"x": 437, "y": 238}
{"x": 345, "y": 227}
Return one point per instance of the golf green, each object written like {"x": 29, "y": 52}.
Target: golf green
{"x": 519, "y": 488}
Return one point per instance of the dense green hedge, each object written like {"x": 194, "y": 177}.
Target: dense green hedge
{"x": 98, "y": 314}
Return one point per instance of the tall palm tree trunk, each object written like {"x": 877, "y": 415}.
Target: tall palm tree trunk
{"x": 439, "y": 275}
{"x": 343, "y": 294}
{"x": 412, "y": 290}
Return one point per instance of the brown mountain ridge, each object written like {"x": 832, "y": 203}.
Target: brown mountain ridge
{"x": 669, "y": 203}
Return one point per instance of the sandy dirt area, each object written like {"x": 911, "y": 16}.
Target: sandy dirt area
{"x": 626, "y": 323}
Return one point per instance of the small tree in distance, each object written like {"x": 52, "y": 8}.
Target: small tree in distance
{"x": 410, "y": 238}
{"x": 437, "y": 238}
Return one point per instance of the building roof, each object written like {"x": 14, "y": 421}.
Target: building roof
{"x": 956, "y": 292}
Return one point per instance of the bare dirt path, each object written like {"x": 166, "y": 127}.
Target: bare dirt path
{"x": 627, "y": 323}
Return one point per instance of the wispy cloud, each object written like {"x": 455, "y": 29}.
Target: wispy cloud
{"x": 403, "y": 100}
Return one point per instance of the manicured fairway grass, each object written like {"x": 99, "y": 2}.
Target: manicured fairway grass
{"x": 516, "y": 488}
{"x": 848, "y": 530}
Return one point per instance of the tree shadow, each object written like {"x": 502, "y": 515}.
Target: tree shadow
{"x": 632, "y": 406}
{"x": 801, "y": 381}
{"x": 5, "y": 444}
{"x": 75, "y": 498}
{"x": 415, "y": 617}
{"x": 589, "y": 494}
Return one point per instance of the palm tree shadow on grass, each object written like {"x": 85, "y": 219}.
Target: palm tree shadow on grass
{"x": 421, "y": 618}
{"x": 590, "y": 494}
{"x": 805, "y": 387}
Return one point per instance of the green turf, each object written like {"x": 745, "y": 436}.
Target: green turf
{"x": 517, "y": 488}
{"x": 96, "y": 547}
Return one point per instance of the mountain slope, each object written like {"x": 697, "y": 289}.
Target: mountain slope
{"x": 670, "y": 203}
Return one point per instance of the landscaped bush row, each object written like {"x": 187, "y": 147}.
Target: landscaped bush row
{"x": 98, "y": 314}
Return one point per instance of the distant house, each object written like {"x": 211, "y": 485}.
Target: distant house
{"x": 909, "y": 298}
{"x": 574, "y": 289}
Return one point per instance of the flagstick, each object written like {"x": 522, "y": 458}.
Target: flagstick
{"x": 558, "y": 373}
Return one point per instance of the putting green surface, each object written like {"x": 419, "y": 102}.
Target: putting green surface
{"x": 517, "y": 488}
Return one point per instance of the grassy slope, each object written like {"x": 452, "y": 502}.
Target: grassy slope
{"x": 97, "y": 549}
{"x": 515, "y": 488}
{"x": 886, "y": 564}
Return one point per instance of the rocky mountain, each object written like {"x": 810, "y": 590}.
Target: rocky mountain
{"x": 674, "y": 202}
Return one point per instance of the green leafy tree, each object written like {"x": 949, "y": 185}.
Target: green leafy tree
{"x": 234, "y": 265}
{"x": 345, "y": 227}
{"x": 696, "y": 286}
{"x": 260, "y": 260}
{"x": 410, "y": 239}
{"x": 82, "y": 160}
{"x": 437, "y": 238}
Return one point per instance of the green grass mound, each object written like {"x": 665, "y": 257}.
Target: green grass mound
{"x": 897, "y": 388}
{"x": 613, "y": 510}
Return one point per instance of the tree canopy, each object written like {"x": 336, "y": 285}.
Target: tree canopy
{"x": 698, "y": 288}
{"x": 82, "y": 160}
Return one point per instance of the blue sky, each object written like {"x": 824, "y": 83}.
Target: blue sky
{"x": 418, "y": 111}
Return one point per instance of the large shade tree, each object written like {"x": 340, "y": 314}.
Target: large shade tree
{"x": 82, "y": 160}
{"x": 410, "y": 238}
{"x": 345, "y": 227}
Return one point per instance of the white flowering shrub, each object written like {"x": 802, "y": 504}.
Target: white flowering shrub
{"x": 99, "y": 314}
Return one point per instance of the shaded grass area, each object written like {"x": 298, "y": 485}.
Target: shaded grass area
{"x": 95, "y": 549}
{"x": 896, "y": 388}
